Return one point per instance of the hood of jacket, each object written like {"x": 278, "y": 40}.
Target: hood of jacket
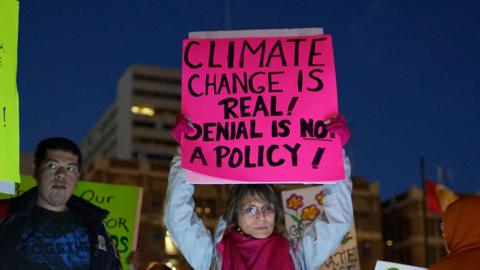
{"x": 461, "y": 224}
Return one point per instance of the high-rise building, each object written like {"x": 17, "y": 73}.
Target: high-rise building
{"x": 136, "y": 126}
{"x": 130, "y": 144}
{"x": 404, "y": 230}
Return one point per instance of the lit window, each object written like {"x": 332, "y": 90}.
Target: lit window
{"x": 141, "y": 110}
{"x": 172, "y": 264}
{"x": 170, "y": 248}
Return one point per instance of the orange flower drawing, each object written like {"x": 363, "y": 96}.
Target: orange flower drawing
{"x": 294, "y": 201}
{"x": 320, "y": 196}
{"x": 310, "y": 212}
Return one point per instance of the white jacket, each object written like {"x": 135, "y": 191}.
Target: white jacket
{"x": 197, "y": 246}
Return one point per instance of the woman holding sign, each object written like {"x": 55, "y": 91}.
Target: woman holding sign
{"x": 246, "y": 237}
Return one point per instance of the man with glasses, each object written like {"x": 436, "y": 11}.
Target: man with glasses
{"x": 49, "y": 228}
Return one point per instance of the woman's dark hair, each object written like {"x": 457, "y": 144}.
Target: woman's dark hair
{"x": 262, "y": 192}
{"x": 56, "y": 143}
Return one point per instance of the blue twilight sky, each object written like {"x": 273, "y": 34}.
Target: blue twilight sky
{"x": 407, "y": 71}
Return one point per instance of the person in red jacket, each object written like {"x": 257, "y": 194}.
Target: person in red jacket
{"x": 461, "y": 232}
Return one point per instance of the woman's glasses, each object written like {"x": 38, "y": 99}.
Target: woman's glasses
{"x": 253, "y": 210}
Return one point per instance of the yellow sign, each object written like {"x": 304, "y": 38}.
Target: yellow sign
{"x": 9, "y": 117}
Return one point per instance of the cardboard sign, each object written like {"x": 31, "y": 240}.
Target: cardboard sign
{"x": 304, "y": 206}
{"x": 257, "y": 106}
{"x": 9, "y": 123}
{"x": 123, "y": 202}
{"x": 383, "y": 265}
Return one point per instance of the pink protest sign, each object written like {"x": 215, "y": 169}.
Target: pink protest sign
{"x": 257, "y": 106}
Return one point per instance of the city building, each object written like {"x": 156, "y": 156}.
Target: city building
{"x": 368, "y": 221}
{"x": 404, "y": 230}
{"x": 136, "y": 126}
{"x": 131, "y": 144}
{"x": 27, "y": 162}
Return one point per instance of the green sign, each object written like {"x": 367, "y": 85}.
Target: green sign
{"x": 123, "y": 202}
{"x": 384, "y": 265}
{"x": 9, "y": 123}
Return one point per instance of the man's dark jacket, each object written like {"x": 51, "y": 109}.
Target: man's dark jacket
{"x": 19, "y": 209}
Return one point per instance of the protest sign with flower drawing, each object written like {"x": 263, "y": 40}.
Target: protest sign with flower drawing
{"x": 302, "y": 208}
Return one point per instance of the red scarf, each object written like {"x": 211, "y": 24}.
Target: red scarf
{"x": 242, "y": 252}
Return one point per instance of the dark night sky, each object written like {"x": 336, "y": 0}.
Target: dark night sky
{"x": 406, "y": 71}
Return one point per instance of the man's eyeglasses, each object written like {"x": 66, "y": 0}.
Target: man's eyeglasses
{"x": 253, "y": 210}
